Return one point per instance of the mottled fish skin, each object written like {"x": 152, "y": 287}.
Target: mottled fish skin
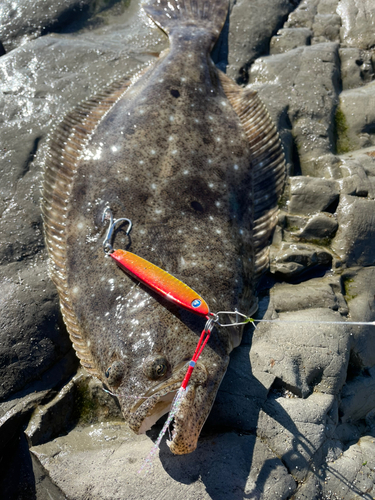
{"x": 196, "y": 164}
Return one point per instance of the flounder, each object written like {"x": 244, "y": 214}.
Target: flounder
{"x": 196, "y": 163}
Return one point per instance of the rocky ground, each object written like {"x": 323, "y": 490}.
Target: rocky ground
{"x": 295, "y": 415}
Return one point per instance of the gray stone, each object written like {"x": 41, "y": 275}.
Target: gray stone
{"x": 358, "y": 19}
{"x": 22, "y": 21}
{"x": 304, "y": 15}
{"x": 256, "y": 25}
{"x": 354, "y": 242}
{"x": 103, "y": 460}
{"x": 360, "y": 293}
{"x": 355, "y": 180}
{"x": 320, "y": 226}
{"x": 289, "y": 39}
{"x": 309, "y": 195}
{"x": 82, "y": 400}
{"x": 295, "y": 429}
{"x": 356, "y": 67}
{"x": 31, "y": 340}
{"x": 320, "y": 17}
{"x": 352, "y": 475}
{"x": 326, "y": 28}
{"x": 315, "y": 294}
{"x": 293, "y": 259}
{"x": 302, "y": 353}
{"x": 358, "y": 109}
{"x": 357, "y": 397}
{"x": 306, "y": 81}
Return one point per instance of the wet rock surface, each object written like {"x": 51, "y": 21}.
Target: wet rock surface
{"x": 294, "y": 417}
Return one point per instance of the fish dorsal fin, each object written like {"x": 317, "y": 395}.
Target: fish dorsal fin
{"x": 267, "y": 164}
{"x": 66, "y": 143}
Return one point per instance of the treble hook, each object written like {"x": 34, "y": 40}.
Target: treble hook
{"x": 107, "y": 247}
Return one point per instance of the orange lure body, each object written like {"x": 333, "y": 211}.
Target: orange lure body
{"x": 161, "y": 282}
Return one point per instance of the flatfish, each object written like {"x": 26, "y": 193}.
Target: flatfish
{"x": 196, "y": 163}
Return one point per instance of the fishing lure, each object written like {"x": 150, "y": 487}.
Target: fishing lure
{"x": 182, "y": 295}
{"x": 153, "y": 276}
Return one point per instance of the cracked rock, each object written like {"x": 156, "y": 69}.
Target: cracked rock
{"x": 309, "y": 195}
{"x": 358, "y": 110}
{"x": 306, "y": 81}
{"x": 360, "y": 293}
{"x": 255, "y": 34}
{"x": 293, "y": 259}
{"x": 354, "y": 242}
{"x": 314, "y": 355}
{"x": 319, "y": 227}
{"x": 357, "y": 19}
{"x": 356, "y": 67}
{"x": 289, "y": 39}
{"x": 317, "y": 293}
{"x": 295, "y": 429}
{"x": 357, "y": 397}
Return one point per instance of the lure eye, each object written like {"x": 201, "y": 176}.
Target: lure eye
{"x": 115, "y": 373}
{"x": 155, "y": 367}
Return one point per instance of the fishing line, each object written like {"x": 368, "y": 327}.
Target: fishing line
{"x": 177, "y": 292}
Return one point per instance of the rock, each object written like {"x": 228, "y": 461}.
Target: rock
{"x": 256, "y": 31}
{"x": 22, "y": 21}
{"x": 81, "y": 400}
{"x": 326, "y": 28}
{"x": 293, "y": 259}
{"x": 359, "y": 293}
{"x": 304, "y": 15}
{"x": 355, "y": 181}
{"x": 357, "y": 108}
{"x": 241, "y": 395}
{"x": 103, "y": 460}
{"x": 357, "y": 19}
{"x": 295, "y": 429}
{"x": 314, "y": 356}
{"x": 289, "y": 39}
{"x": 320, "y": 227}
{"x": 317, "y": 293}
{"x": 80, "y": 447}
{"x": 358, "y": 173}
{"x": 352, "y": 474}
{"x": 309, "y": 94}
{"x": 357, "y": 397}
{"x": 356, "y": 67}
{"x": 320, "y": 17}
{"x": 354, "y": 240}
{"x": 31, "y": 338}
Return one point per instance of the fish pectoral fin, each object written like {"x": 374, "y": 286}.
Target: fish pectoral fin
{"x": 267, "y": 164}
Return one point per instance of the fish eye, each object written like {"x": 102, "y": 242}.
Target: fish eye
{"x": 155, "y": 367}
{"x": 115, "y": 373}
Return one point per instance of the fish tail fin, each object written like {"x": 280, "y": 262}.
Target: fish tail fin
{"x": 178, "y": 16}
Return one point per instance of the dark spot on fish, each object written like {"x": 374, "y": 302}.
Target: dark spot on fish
{"x": 197, "y": 206}
{"x": 175, "y": 93}
{"x": 206, "y": 140}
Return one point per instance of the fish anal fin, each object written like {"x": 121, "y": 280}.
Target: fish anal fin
{"x": 267, "y": 164}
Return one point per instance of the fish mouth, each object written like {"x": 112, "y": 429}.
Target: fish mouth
{"x": 188, "y": 418}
